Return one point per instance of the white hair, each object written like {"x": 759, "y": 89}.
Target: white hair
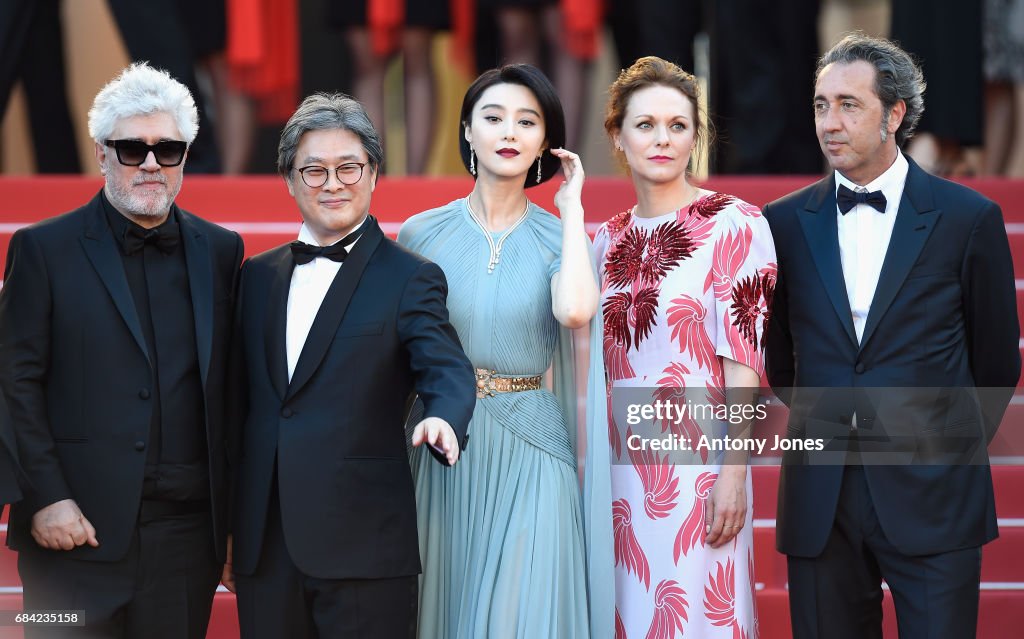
{"x": 142, "y": 90}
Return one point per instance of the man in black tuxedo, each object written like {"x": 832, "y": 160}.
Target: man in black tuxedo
{"x": 894, "y": 320}
{"x": 337, "y": 331}
{"x": 114, "y": 335}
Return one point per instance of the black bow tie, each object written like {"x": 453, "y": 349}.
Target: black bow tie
{"x": 305, "y": 253}
{"x": 165, "y": 237}
{"x": 847, "y": 199}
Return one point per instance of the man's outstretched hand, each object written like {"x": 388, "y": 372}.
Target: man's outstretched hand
{"x": 439, "y": 435}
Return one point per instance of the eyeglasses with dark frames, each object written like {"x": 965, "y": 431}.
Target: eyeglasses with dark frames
{"x": 315, "y": 176}
{"x": 135, "y": 152}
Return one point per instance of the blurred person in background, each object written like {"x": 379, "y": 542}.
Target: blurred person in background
{"x": 761, "y": 56}
{"x": 174, "y": 35}
{"x": 1004, "y": 89}
{"x": 945, "y": 37}
{"x": 560, "y": 36}
{"x": 32, "y": 52}
{"x": 377, "y": 31}
{"x": 661, "y": 28}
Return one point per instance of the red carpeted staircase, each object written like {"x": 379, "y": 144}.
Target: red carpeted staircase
{"x": 261, "y": 210}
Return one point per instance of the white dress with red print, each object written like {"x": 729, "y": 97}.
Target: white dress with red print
{"x": 680, "y": 292}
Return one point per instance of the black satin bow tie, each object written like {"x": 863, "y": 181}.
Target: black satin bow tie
{"x": 847, "y": 199}
{"x": 165, "y": 237}
{"x": 305, "y": 253}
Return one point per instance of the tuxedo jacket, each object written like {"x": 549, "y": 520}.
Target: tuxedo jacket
{"x": 334, "y": 435}
{"x": 77, "y": 376}
{"x": 10, "y": 491}
{"x": 943, "y": 322}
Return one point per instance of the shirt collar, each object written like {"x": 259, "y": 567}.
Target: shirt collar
{"x": 890, "y": 183}
{"x": 118, "y": 223}
{"x": 305, "y": 235}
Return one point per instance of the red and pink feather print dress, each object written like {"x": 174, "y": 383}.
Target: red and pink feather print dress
{"x": 679, "y": 292}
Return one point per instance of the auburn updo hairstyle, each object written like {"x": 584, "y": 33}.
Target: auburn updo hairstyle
{"x": 653, "y": 71}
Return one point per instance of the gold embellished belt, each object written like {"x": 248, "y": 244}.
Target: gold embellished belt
{"x": 488, "y": 383}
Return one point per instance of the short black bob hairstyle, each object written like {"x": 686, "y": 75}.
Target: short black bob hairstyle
{"x": 533, "y": 79}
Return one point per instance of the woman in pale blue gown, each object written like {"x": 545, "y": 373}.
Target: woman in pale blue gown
{"x": 502, "y": 532}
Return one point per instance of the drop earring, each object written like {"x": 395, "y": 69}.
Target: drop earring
{"x": 472, "y": 161}
{"x": 538, "y": 170}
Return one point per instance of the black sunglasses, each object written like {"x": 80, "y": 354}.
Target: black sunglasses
{"x": 135, "y": 152}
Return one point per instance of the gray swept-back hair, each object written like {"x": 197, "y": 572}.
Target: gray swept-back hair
{"x": 142, "y": 90}
{"x": 328, "y": 111}
{"x": 897, "y": 76}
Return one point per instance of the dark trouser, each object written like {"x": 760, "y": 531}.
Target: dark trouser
{"x": 278, "y": 600}
{"x": 32, "y": 51}
{"x": 763, "y": 56}
{"x": 664, "y": 28}
{"x": 162, "y": 589}
{"x": 838, "y": 595}
{"x": 155, "y": 31}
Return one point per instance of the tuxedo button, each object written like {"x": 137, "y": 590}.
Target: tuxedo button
{"x": 140, "y": 446}
{"x": 286, "y": 412}
{"x": 859, "y": 368}
{"x": 144, "y": 393}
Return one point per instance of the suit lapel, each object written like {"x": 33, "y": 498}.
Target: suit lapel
{"x": 277, "y": 321}
{"x": 101, "y": 249}
{"x": 321, "y": 334}
{"x": 818, "y": 220}
{"x": 915, "y": 220}
{"x": 200, "y": 281}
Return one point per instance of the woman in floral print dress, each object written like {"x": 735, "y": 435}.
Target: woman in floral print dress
{"x": 687, "y": 277}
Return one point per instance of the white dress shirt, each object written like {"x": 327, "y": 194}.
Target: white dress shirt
{"x": 305, "y": 295}
{"x": 864, "y": 235}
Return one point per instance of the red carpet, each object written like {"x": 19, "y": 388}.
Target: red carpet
{"x": 262, "y": 211}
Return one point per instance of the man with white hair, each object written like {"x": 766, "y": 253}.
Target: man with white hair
{"x": 114, "y": 325}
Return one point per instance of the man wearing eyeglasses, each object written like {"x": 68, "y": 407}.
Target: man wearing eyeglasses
{"x": 337, "y": 331}
{"x": 114, "y": 333}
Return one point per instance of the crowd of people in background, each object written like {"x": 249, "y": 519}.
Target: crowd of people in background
{"x": 251, "y": 60}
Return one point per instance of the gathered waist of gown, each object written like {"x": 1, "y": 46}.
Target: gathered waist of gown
{"x": 533, "y": 416}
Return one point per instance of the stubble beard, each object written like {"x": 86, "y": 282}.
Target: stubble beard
{"x": 152, "y": 205}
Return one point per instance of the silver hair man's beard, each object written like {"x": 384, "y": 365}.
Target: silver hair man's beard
{"x": 137, "y": 205}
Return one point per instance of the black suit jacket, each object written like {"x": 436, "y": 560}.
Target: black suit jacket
{"x": 10, "y": 491}
{"x": 77, "y": 376}
{"x": 335, "y": 433}
{"x": 943, "y": 321}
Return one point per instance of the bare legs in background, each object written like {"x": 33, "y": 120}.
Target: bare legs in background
{"x": 1004, "y": 129}
{"x": 420, "y": 89}
{"x": 524, "y": 33}
{"x": 236, "y": 119}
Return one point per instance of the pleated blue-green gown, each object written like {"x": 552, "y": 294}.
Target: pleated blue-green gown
{"x": 501, "y": 533}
